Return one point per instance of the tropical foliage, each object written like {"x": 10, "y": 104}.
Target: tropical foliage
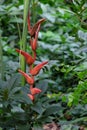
{"x": 59, "y": 90}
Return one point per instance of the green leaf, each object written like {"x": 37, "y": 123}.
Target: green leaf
{"x": 52, "y": 109}
{"x": 37, "y": 108}
{"x": 16, "y": 20}
{"x": 37, "y": 127}
{"x": 43, "y": 85}
{"x": 24, "y": 127}
{"x": 13, "y": 82}
{"x": 81, "y": 89}
{"x": 17, "y": 109}
{"x": 14, "y": 90}
{"x": 69, "y": 127}
{"x": 70, "y": 99}
{"x": 82, "y": 75}
{"x": 81, "y": 67}
{"x": 2, "y": 84}
{"x": 22, "y": 97}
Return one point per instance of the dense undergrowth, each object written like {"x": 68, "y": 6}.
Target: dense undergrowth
{"x": 63, "y": 42}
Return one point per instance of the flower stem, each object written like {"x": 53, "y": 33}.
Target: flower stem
{"x": 1, "y": 61}
{"x": 24, "y": 37}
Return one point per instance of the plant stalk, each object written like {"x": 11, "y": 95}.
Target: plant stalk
{"x": 1, "y": 61}
{"x": 24, "y": 38}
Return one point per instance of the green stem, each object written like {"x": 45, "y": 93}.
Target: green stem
{"x": 24, "y": 37}
{"x": 1, "y": 60}
{"x": 19, "y": 31}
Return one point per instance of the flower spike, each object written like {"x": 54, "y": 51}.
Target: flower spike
{"x": 33, "y": 31}
{"x": 28, "y": 57}
{"x": 29, "y": 79}
{"x": 37, "y": 68}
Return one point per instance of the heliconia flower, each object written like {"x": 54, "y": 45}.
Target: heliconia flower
{"x": 37, "y": 68}
{"x": 29, "y": 59}
{"x": 31, "y": 96}
{"x": 35, "y": 91}
{"x": 33, "y": 29}
{"x": 29, "y": 79}
{"x": 33, "y": 41}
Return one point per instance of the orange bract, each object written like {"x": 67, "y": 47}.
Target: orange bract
{"x": 33, "y": 29}
{"x": 31, "y": 97}
{"x": 29, "y": 79}
{"x": 28, "y": 57}
{"x": 37, "y": 68}
{"x": 33, "y": 41}
{"x": 35, "y": 91}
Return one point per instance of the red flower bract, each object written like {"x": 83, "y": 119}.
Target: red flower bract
{"x": 33, "y": 41}
{"x": 31, "y": 97}
{"x": 33, "y": 29}
{"x": 35, "y": 91}
{"x": 29, "y": 79}
{"x": 29, "y": 59}
{"x": 37, "y": 68}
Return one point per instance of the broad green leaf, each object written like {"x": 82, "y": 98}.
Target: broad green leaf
{"x": 22, "y": 98}
{"x": 14, "y": 90}
{"x": 17, "y": 109}
{"x": 52, "y": 109}
{"x": 13, "y": 82}
{"x": 38, "y": 108}
{"x": 43, "y": 85}
{"x": 16, "y": 20}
